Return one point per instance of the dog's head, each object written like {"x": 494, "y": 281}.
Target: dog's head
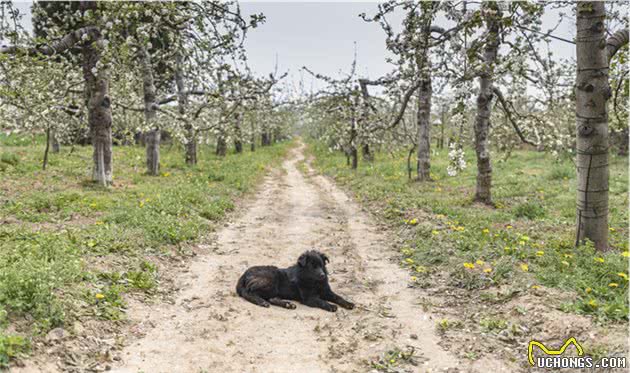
{"x": 313, "y": 265}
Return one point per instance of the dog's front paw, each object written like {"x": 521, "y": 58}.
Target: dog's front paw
{"x": 348, "y": 305}
{"x": 332, "y": 308}
{"x": 289, "y": 305}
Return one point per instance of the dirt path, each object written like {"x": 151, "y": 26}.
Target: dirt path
{"x": 210, "y": 329}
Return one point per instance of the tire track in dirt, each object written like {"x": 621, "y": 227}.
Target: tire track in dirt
{"x": 210, "y": 329}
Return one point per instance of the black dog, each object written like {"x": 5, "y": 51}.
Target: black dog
{"x": 306, "y": 282}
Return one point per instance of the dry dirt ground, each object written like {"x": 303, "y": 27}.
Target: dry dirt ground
{"x": 208, "y": 328}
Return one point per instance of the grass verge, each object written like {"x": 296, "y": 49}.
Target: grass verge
{"x": 526, "y": 241}
{"x": 70, "y": 248}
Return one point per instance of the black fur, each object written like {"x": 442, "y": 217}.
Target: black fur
{"x": 305, "y": 282}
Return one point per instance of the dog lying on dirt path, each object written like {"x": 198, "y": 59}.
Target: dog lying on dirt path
{"x": 306, "y": 282}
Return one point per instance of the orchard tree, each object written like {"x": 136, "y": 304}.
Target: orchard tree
{"x": 86, "y": 35}
{"x": 412, "y": 49}
{"x": 594, "y": 52}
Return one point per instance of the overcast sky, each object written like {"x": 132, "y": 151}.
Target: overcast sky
{"x": 322, "y": 36}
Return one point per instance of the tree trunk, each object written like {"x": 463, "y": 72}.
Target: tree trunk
{"x": 221, "y": 146}
{"x": 623, "y": 143}
{"x": 182, "y": 102}
{"x": 484, "y": 107}
{"x": 440, "y": 144}
{"x": 48, "y": 140}
{"x": 424, "y": 128}
{"x": 425, "y": 91}
{"x": 238, "y": 143}
{"x": 592, "y": 92}
{"x": 366, "y": 153}
{"x": 54, "y": 142}
{"x": 266, "y": 141}
{"x": 99, "y": 106}
{"x": 153, "y": 136}
{"x": 191, "y": 146}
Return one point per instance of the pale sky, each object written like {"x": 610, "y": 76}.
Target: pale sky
{"x": 322, "y": 36}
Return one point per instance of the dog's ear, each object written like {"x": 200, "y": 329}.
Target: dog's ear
{"x": 324, "y": 258}
{"x": 302, "y": 260}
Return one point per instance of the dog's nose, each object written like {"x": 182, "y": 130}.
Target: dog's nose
{"x": 322, "y": 276}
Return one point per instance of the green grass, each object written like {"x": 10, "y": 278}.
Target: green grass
{"x": 527, "y": 240}
{"x": 70, "y": 247}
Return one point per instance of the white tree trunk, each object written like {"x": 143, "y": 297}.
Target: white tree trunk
{"x": 592, "y": 93}
{"x": 424, "y": 129}
{"x": 153, "y": 136}
{"x": 182, "y": 100}
{"x": 484, "y": 107}
{"x": 99, "y": 106}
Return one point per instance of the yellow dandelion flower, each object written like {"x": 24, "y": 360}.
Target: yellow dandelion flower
{"x": 524, "y": 238}
{"x": 166, "y": 174}
{"x": 535, "y": 287}
{"x": 469, "y": 265}
{"x": 434, "y": 232}
{"x": 611, "y": 229}
{"x": 509, "y": 227}
{"x": 521, "y": 242}
{"x": 623, "y": 275}
{"x": 421, "y": 269}
{"x": 480, "y": 262}
{"x": 99, "y": 223}
{"x": 409, "y": 261}
{"x": 99, "y": 296}
{"x": 599, "y": 260}
{"x": 540, "y": 253}
{"x": 592, "y": 303}
{"x": 625, "y": 254}
{"x": 92, "y": 205}
{"x": 588, "y": 290}
{"x": 613, "y": 285}
{"x": 568, "y": 255}
{"x": 487, "y": 270}
{"x": 413, "y": 221}
{"x": 525, "y": 267}
{"x": 414, "y": 278}
{"x": 485, "y": 231}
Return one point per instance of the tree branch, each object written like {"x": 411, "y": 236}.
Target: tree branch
{"x": 59, "y": 46}
{"x": 508, "y": 113}
{"x": 615, "y": 42}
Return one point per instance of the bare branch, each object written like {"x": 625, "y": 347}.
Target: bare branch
{"x": 508, "y": 113}
{"x": 615, "y": 42}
